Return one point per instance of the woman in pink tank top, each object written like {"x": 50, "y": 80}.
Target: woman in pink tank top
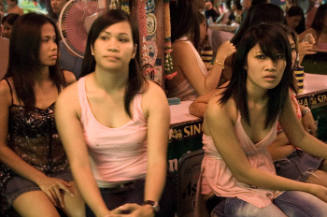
{"x": 114, "y": 124}
{"x": 239, "y": 124}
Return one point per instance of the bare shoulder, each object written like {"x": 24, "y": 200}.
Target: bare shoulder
{"x": 69, "y": 76}
{"x": 220, "y": 111}
{"x": 152, "y": 89}
{"x": 5, "y": 94}
{"x": 69, "y": 97}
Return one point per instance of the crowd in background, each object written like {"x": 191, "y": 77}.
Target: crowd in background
{"x": 63, "y": 151}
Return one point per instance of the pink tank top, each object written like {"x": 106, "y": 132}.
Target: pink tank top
{"x": 218, "y": 179}
{"x": 116, "y": 154}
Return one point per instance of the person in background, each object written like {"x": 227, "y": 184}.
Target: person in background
{"x": 13, "y": 8}
{"x": 295, "y": 19}
{"x": 4, "y": 56}
{"x": 36, "y": 178}
{"x": 210, "y": 12}
{"x": 117, "y": 157}
{"x": 56, "y": 7}
{"x": 192, "y": 77}
{"x": 318, "y": 29}
{"x": 236, "y": 164}
{"x": 7, "y": 23}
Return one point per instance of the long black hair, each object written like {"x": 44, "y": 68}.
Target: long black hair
{"x": 24, "y": 57}
{"x": 318, "y": 21}
{"x": 135, "y": 78}
{"x": 185, "y": 19}
{"x": 297, "y": 11}
{"x": 261, "y": 13}
{"x": 272, "y": 39}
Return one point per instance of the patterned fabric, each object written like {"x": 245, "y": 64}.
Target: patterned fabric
{"x": 33, "y": 136}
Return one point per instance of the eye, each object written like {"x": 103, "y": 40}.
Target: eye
{"x": 123, "y": 39}
{"x": 261, "y": 56}
{"x": 280, "y": 56}
{"x": 104, "y": 37}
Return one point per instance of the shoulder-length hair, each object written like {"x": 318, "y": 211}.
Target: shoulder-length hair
{"x": 261, "y": 13}
{"x": 272, "y": 39}
{"x": 318, "y": 21}
{"x": 136, "y": 79}
{"x": 297, "y": 11}
{"x": 24, "y": 56}
{"x": 185, "y": 19}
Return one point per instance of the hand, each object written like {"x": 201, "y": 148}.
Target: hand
{"x": 319, "y": 191}
{"x": 133, "y": 210}
{"x": 224, "y": 50}
{"x": 306, "y": 48}
{"x": 309, "y": 124}
{"x": 53, "y": 188}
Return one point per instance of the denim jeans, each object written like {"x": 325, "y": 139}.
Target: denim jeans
{"x": 289, "y": 204}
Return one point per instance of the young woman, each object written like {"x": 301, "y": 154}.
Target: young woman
{"x": 36, "y": 178}
{"x": 318, "y": 28}
{"x": 240, "y": 122}
{"x": 295, "y": 19}
{"x": 192, "y": 79}
{"x": 114, "y": 124}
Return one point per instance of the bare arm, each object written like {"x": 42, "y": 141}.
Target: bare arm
{"x": 227, "y": 144}
{"x": 71, "y": 133}
{"x": 157, "y": 112}
{"x": 298, "y": 136}
{"x": 50, "y": 186}
{"x": 186, "y": 60}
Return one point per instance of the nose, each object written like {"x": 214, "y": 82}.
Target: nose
{"x": 271, "y": 64}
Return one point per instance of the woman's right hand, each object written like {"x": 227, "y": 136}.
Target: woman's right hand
{"x": 225, "y": 50}
{"x": 53, "y": 188}
{"x": 319, "y": 191}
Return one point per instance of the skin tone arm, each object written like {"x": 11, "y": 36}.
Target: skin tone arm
{"x": 71, "y": 134}
{"x": 157, "y": 112}
{"x": 186, "y": 60}
{"x": 50, "y": 186}
{"x": 227, "y": 144}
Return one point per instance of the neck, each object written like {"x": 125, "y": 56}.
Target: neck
{"x": 256, "y": 94}
{"x": 111, "y": 81}
{"x": 42, "y": 75}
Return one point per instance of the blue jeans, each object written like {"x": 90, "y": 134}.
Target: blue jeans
{"x": 289, "y": 204}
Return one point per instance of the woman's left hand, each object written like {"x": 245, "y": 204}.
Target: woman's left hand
{"x": 133, "y": 210}
{"x": 309, "y": 123}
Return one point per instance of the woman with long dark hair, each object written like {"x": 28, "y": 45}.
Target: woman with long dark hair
{"x": 239, "y": 124}
{"x": 36, "y": 177}
{"x": 114, "y": 124}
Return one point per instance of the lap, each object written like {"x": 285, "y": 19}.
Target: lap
{"x": 289, "y": 204}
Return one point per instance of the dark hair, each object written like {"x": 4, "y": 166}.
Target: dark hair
{"x": 24, "y": 56}
{"x": 271, "y": 39}
{"x": 184, "y": 18}
{"x": 317, "y": 23}
{"x": 135, "y": 77}
{"x": 237, "y": 3}
{"x": 297, "y": 11}
{"x": 258, "y": 2}
{"x": 10, "y": 19}
{"x": 262, "y": 13}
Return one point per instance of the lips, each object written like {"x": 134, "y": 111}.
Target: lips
{"x": 112, "y": 58}
{"x": 270, "y": 77}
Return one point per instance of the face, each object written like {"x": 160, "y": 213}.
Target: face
{"x": 6, "y": 30}
{"x": 293, "y": 50}
{"x": 57, "y": 5}
{"x": 48, "y": 46}
{"x": 246, "y": 4}
{"x": 262, "y": 71}
{"x": 114, "y": 48}
{"x": 11, "y": 2}
{"x": 293, "y": 21}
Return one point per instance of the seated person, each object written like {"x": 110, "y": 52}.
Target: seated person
{"x": 237, "y": 130}
{"x": 318, "y": 29}
{"x": 7, "y": 23}
{"x": 127, "y": 146}
{"x": 192, "y": 78}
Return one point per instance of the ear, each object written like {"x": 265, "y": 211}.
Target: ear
{"x": 245, "y": 67}
{"x": 134, "y": 51}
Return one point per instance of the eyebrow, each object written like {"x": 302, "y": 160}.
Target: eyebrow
{"x": 120, "y": 33}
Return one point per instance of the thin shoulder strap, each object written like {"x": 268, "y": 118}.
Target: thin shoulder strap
{"x": 11, "y": 92}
